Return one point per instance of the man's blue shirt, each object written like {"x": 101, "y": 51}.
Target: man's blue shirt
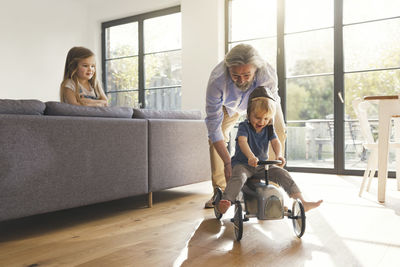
{"x": 221, "y": 91}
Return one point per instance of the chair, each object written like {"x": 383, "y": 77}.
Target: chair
{"x": 318, "y": 134}
{"x": 360, "y": 108}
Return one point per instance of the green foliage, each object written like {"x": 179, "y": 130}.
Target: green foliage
{"x": 370, "y": 83}
{"x": 312, "y": 95}
{"x": 296, "y": 101}
{"x": 123, "y": 73}
{"x": 316, "y": 93}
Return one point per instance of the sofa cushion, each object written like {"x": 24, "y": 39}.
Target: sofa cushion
{"x": 167, "y": 114}
{"x": 24, "y": 107}
{"x": 64, "y": 109}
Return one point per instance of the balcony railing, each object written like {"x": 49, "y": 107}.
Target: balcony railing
{"x": 309, "y": 143}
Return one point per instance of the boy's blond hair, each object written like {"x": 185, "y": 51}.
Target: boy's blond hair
{"x": 262, "y": 105}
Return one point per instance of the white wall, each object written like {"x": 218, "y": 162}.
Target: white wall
{"x": 34, "y": 40}
{"x": 202, "y": 48}
{"x": 36, "y": 36}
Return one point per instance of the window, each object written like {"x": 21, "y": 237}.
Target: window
{"x": 371, "y": 48}
{"x": 308, "y": 42}
{"x": 142, "y": 60}
{"x": 329, "y": 51}
{"x": 254, "y": 26}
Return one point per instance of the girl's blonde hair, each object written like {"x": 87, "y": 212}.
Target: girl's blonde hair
{"x": 76, "y": 54}
{"x": 263, "y": 105}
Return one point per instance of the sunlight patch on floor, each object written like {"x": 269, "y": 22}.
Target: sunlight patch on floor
{"x": 268, "y": 234}
{"x": 319, "y": 259}
{"x": 183, "y": 255}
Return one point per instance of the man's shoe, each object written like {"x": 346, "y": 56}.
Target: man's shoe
{"x": 209, "y": 204}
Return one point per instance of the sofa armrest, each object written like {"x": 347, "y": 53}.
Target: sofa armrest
{"x": 178, "y": 153}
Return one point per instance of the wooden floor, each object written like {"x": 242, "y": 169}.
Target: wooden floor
{"x": 345, "y": 231}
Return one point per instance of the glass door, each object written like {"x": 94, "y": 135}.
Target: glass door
{"x": 309, "y": 80}
{"x": 328, "y": 52}
{"x": 371, "y": 39}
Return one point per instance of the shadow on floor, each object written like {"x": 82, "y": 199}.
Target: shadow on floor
{"x": 53, "y": 221}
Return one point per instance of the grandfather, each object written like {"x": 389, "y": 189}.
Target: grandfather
{"x": 229, "y": 87}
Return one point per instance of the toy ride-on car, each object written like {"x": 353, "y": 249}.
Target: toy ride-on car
{"x": 263, "y": 201}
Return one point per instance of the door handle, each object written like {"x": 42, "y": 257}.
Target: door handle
{"x": 340, "y": 97}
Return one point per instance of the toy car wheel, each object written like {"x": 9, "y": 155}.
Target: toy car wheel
{"x": 298, "y": 217}
{"x": 238, "y": 221}
{"x": 217, "y": 198}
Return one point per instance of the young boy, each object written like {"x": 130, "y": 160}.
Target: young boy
{"x": 253, "y": 137}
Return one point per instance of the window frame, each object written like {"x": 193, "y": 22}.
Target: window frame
{"x": 338, "y": 79}
{"x": 141, "y": 68}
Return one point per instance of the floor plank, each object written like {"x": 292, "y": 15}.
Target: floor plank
{"x": 345, "y": 231}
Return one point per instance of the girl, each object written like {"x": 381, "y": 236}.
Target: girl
{"x": 253, "y": 137}
{"x": 80, "y": 85}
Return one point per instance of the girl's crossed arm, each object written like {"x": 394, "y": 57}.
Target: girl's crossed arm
{"x": 94, "y": 102}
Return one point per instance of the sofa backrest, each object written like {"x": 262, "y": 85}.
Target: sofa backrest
{"x": 53, "y": 108}
{"x": 22, "y": 107}
{"x": 62, "y": 109}
{"x": 167, "y": 114}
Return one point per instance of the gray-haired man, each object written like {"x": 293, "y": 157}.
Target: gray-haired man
{"x": 228, "y": 90}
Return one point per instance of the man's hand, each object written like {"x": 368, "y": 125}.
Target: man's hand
{"x": 227, "y": 171}
{"x": 222, "y": 151}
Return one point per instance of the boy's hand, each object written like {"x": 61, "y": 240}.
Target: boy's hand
{"x": 253, "y": 161}
{"x": 283, "y": 161}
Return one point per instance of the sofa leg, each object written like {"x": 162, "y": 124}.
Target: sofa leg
{"x": 150, "y": 199}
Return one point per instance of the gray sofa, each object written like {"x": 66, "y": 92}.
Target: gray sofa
{"x": 56, "y": 156}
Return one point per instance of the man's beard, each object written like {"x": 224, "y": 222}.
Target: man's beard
{"x": 244, "y": 86}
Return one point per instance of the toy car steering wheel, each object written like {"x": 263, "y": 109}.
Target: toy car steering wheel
{"x": 269, "y": 162}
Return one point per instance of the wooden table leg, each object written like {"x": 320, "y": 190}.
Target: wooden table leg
{"x": 150, "y": 199}
{"x": 383, "y": 149}
{"x": 397, "y": 139}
